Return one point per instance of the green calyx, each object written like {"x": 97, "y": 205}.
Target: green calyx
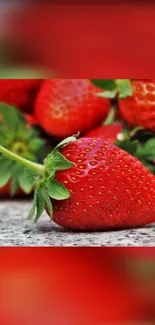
{"x": 30, "y": 174}
{"x": 24, "y": 142}
{"x": 113, "y": 87}
{"x": 46, "y": 186}
{"x": 140, "y": 143}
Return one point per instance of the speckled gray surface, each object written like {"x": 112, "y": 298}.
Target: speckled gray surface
{"x": 14, "y": 231}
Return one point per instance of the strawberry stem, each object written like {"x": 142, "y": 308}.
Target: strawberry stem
{"x": 36, "y": 167}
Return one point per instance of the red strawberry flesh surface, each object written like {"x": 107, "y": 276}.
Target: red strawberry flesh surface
{"x": 109, "y": 188}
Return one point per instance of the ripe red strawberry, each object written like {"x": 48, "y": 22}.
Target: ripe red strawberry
{"x": 100, "y": 187}
{"x": 106, "y": 132}
{"x": 19, "y": 92}
{"x": 139, "y": 109}
{"x": 66, "y": 106}
{"x": 120, "y": 190}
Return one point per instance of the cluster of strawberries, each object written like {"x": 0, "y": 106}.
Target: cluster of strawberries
{"x": 101, "y": 175}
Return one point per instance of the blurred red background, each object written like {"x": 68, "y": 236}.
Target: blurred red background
{"x": 109, "y": 39}
{"x": 76, "y": 285}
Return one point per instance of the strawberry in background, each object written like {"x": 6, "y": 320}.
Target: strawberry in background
{"x": 139, "y": 108}
{"x": 67, "y": 106}
{"x": 110, "y": 130}
{"x": 19, "y": 92}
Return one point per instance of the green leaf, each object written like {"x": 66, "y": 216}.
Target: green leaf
{"x": 107, "y": 84}
{"x": 56, "y": 161}
{"x": 36, "y": 144}
{"x": 26, "y": 179}
{"x": 130, "y": 146}
{"x": 149, "y": 150}
{"x": 124, "y": 87}
{"x": 12, "y": 117}
{"x": 14, "y": 186}
{"x": 40, "y": 204}
{"x": 107, "y": 94}
{"x": 32, "y": 211}
{"x": 57, "y": 191}
{"x": 6, "y": 166}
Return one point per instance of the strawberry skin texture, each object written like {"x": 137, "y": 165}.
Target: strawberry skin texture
{"x": 139, "y": 110}
{"x": 106, "y": 132}
{"x": 66, "y": 106}
{"x": 109, "y": 188}
{"x": 19, "y": 92}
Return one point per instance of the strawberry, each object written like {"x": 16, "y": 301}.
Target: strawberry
{"x": 120, "y": 189}
{"x": 136, "y": 99}
{"x": 139, "y": 109}
{"x": 19, "y": 92}
{"x": 106, "y": 132}
{"x": 66, "y": 106}
{"x": 20, "y": 138}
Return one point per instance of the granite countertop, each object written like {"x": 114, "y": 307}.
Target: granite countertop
{"x": 15, "y": 230}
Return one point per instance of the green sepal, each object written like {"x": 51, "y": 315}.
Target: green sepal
{"x": 26, "y": 179}
{"x": 57, "y": 191}
{"x": 56, "y": 161}
{"x": 32, "y": 211}
{"x": 6, "y": 166}
{"x": 112, "y": 87}
{"x": 124, "y": 88}
{"x": 107, "y": 84}
{"x": 107, "y": 94}
{"x": 40, "y": 203}
{"x": 66, "y": 141}
{"x": 48, "y": 203}
{"x": 148, "y": 150}
{"x": 14, "y": 185}
{"x": 36, "y": 143}
{"x": 46, "y": 186}
{"x": 11, "y": 117}
{"x": 22, "y": 140}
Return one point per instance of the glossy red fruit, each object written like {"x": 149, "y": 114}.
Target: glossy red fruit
{"x": 106, "y": 132}
{"x": 139, "y": 110}
{"x": 66, "y": 106}
{"x": 110, "y": 189}
{"x": 19, "y": 92}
